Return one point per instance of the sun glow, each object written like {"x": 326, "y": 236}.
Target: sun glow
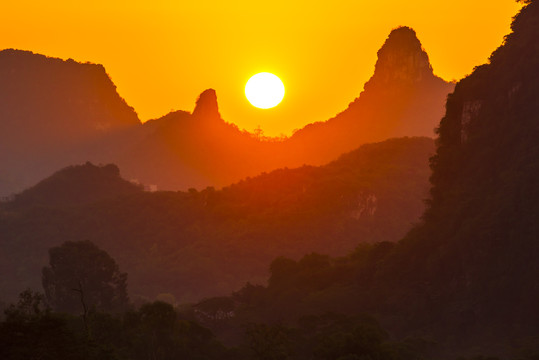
{"x": 264, "y": 90}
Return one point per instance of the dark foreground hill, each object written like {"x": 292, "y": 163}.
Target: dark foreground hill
{"x": 468, "y": 276}
{"x": 201, "y": 243}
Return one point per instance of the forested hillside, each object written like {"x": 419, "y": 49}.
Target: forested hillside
{"x": 203, "y": 243}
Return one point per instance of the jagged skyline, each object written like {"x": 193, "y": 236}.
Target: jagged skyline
{"x": 161, "y": 56}
{"x": 60, "y": 119}
{"x": 408, "y": 248}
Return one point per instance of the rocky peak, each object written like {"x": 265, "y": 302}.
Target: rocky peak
{"x": 206, "y": 106}
{"x": 401, "y": 59}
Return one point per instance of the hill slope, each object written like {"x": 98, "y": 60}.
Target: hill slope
{"x": 195, "y": 244}
{"x": 75, "y": 186}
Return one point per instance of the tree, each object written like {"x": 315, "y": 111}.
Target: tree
{"x": 282, "y": 269}
{"x": 81, "y": 277}
{"x": 269, "y": 342}
{"x": 156, "y": 332}
{"x": 31, "y": 305}
{"x": 31, "y": 331}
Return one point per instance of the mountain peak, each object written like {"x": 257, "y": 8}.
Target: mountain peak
{"x": 206, "y": 105}
{"x": 402, "y": 58}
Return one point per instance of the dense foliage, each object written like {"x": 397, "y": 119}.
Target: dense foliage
{"x": 31, "y": 330}
{"x": 157, "y": 331}
{"x": 81, "y": 276}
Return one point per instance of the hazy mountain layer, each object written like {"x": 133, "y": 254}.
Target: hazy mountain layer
{"x": 201, "y": 243}
{"x": 56, "y": 113}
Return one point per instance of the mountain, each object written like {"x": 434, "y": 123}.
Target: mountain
{"x": 55, "y": 113}
{"x": 183, "y": 150}
{"x": 402, "y": 98}
{"x": 482, "y": 227}
{"x": 467, "y": 277}
{"x": 200, "y": 243}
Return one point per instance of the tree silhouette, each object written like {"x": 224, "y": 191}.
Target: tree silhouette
{"x": 268, "y": 342}
{"x": 81, "y": 276}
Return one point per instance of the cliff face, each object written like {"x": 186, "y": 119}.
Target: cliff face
{"x": 473, "y": 264}
{"x": 401, "y": 60}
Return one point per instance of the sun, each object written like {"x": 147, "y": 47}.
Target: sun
{"x": 264, "y": 90}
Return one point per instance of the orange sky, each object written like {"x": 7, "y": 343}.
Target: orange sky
{"x": 162, "y": 54}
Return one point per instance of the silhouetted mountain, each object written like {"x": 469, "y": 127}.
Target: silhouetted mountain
{"x": 55, "y": 113}
{"x": 196, "y": 244}
{"x": 402, "y": 98}
{"x": 206, "y": 108}
{"x": 183, "y": 150}
{"x": 401, "y": 60}
{"x": 76, "y": 185}
{"x": 51, "y": 114}
{"x": 468, "y": 276}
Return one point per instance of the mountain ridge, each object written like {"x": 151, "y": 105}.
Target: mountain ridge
{"x": 174, "y": 152}
{"x": 225, "y": 154}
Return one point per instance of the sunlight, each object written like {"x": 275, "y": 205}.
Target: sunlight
{"x": 264, "y": 90}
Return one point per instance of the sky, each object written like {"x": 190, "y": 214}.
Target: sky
{"x": 162, "y": 54}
